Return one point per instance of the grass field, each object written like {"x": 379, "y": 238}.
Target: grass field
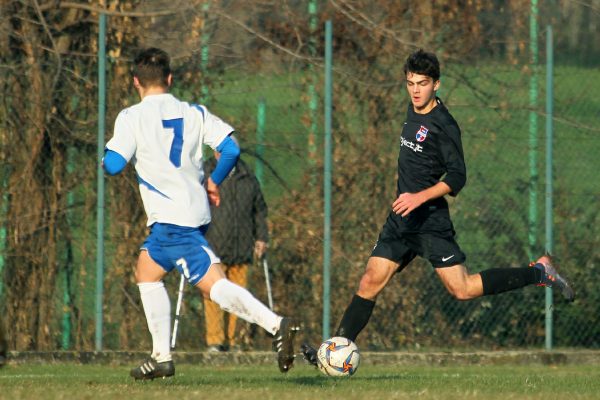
{"x": 71, "y": 381}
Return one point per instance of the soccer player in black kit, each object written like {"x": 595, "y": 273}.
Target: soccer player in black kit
{"x": 430, "y": 165}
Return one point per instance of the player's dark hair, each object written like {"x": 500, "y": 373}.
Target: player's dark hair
{"x": 423, "y": 63}
{"x": 152, "y": 67}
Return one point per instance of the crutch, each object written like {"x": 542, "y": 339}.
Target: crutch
{"x": 268, "y": 281}
{"x": 177, "y": 311}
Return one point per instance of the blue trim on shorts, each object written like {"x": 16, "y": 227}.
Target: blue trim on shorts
{"x": 181, "y": 247}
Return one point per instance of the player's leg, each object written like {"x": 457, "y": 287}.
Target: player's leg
{"x": 448, "y": 259}
{"x": 201, "y": 266}
{"x": 377, "y": 274}
{"x": 465, "y": 286}
{"x": 157, "y": 308}
{"x": 445, "y": 255}
{"x": 443, "y": 252}
{"x": 460, "y": 283}
{"x": 390, "y": 255}
{"x": 237, "y": 300}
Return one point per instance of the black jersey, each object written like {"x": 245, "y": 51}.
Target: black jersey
{"x": 430, "y": 147}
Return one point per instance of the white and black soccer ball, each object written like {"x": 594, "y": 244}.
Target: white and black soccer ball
{"x": 338, "y": 356}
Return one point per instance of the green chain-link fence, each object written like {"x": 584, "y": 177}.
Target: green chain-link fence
{"x": 232, "y": 56}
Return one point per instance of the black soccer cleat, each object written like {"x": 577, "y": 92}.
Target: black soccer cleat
{"x": 151, "y": 369}
{"x": 551, "y": 278}
{"x": 309, "y": 353}
{"x": 283, "y": 344}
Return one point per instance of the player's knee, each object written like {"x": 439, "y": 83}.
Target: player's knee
{"x": 142, "y": 276}
{"x": 460, "y": 292}
{"x": 370, "y": 285}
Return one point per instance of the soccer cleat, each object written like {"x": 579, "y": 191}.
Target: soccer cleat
{"x": 551, "y": 278}
{"x": 283, "y": 344}
{"x": 151, "y": 369}
{"x": 309, "y": 353}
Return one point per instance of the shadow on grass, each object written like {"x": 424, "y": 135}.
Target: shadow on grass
{"x": 329, "y": 381}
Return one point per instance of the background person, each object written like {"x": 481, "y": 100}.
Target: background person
{"x": 238, "y": 232}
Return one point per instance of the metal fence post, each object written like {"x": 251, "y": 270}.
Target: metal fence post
{"x": 533, "y": 140}
{"x": 549, "y": 177}
{"x": 260, "y": 139}
{"x": 327, "y": 180}
{"x": 100, "y": 201}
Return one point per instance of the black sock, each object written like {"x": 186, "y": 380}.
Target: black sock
{"x": 355, "y": 317}
{"x": 499, "y": 280}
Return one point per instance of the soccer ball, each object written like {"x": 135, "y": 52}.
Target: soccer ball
{"x": 338, "y": 356}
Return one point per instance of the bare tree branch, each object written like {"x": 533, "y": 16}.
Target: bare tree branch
{"x": 56, "y": 52}
{"x": 98, "y": 10}
{"x": 264, "y": 38}
{"x": 367, "y": 23}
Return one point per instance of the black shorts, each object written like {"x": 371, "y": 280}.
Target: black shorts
{"x": 427, "y": 232}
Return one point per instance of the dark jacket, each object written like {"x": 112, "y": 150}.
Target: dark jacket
{"x": 240, "y": 219}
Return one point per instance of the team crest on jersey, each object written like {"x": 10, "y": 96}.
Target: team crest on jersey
{"x": 422, "y": 133}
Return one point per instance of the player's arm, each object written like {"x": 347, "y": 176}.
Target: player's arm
{"x": 113, "y": 162}
{"x": 230, "y": 153}
{"x": 121, "y": 147}
{"x": 216, "y": 135}
{"x": 453, "y": 157}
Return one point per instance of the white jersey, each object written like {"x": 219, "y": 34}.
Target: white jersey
{"x": 163, "y": 137}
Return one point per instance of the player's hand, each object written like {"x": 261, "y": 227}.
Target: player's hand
{"x": 260, "y": 248}
{"x": 407, "y": 202}
{"x": 213, "y": 192}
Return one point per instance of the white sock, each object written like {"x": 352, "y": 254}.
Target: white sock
{"x": 237, "y": 300}
{"x": 157, "y": 308}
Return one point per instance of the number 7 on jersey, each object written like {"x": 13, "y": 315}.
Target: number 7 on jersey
{"x": 177, "y": 145}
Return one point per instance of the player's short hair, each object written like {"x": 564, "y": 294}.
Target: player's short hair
{"x": 152, "y": 67}
{"x": 423, "y": 63}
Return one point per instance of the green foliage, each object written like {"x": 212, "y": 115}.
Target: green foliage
{"x": 258, "y": 50}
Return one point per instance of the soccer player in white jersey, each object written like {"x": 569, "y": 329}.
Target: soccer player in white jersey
{"x": 163, "y": 138}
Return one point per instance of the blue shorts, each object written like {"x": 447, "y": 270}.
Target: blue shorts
{"x": 181, "y": 247}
